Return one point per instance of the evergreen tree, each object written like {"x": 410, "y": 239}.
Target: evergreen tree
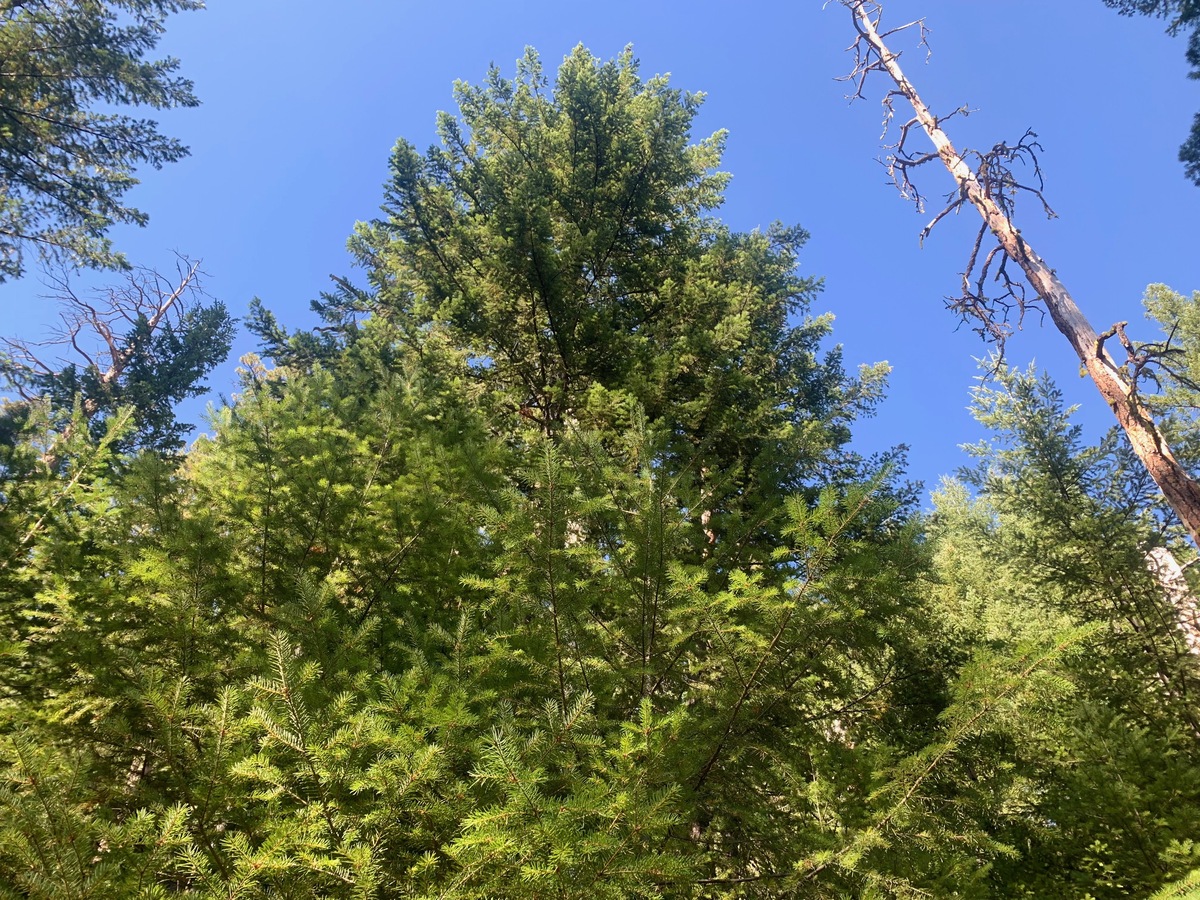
{"x": 562, "y": 240}
{"x": 146, "y": 344}
{"x": 66, "y": 156}
{"x": 543, "y": 569}
{"x": 1056, "y": 538}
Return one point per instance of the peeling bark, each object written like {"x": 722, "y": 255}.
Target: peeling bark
{"x": 1177, "y": 486}
{"x": 1169, "y": 574}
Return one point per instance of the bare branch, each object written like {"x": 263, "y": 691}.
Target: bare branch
{"x": 100, "y": 329}
{"x": 991, "y": 296}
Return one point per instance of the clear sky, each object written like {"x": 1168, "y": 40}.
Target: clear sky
{"x": 302, "y": 102}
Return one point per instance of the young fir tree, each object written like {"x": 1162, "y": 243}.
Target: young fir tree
{"x": 1104, "y": 790}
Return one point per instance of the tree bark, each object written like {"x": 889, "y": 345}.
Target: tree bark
{"x": 1177, "y": 486}
{"x": 1169, "y": 574}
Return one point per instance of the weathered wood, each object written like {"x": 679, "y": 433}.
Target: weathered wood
{"x": 1177, "y": 486}
{"x": 1169, "y": 574}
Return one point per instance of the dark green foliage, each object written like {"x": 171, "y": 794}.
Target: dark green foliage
{"x": 67, "y": 157}
{"x": 167, "y": 365}
{"x": 1106, "y": 787}
{"x": 1180, "y": 12}
{"x": 145, "y": 345}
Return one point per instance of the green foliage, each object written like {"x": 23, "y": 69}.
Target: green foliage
{"x": 67, "y": 156}
{"x": 144, "y": 345}
{"x": 1181, "y": 14}
{"x": 54, "y": 845}
{"x": 1177, "y": 369}
{"x": 1187, "y": 888}
{"x": 543, "y": 570}
{"x": 1103, "y": 790}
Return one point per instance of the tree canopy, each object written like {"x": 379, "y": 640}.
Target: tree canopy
{"x": 544, "y": 567}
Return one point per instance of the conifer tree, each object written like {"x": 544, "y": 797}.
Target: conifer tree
{"x": 1056, "y": 538}
{"x": 67, "y": 152}
{"x": 543, "y": 569}
{"x": 146, "y": 343}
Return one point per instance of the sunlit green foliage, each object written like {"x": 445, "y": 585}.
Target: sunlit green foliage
{"x": 1106, "y": 781}
{"x": 543, "y": 569}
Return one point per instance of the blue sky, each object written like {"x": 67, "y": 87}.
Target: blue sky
{"x": 303, "y": 101}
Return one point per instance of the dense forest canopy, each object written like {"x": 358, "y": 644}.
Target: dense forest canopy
{"x": 544, "y": 566}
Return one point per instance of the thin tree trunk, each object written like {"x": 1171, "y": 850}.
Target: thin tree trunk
{"x": 1180, "y": 491}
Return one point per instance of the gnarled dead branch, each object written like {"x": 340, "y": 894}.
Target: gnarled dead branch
{"x": 98, "y": 327}
{"x": 991, "y": 185}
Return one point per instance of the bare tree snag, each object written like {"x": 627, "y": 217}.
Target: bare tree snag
{"x": 991, "y": 188}
{"x": 101, "y": 333}
{"x": 147, "y": 295}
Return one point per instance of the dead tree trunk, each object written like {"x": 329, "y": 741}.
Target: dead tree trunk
{"x": 1169, "y": 574}
{"x": 985, "y": 190}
